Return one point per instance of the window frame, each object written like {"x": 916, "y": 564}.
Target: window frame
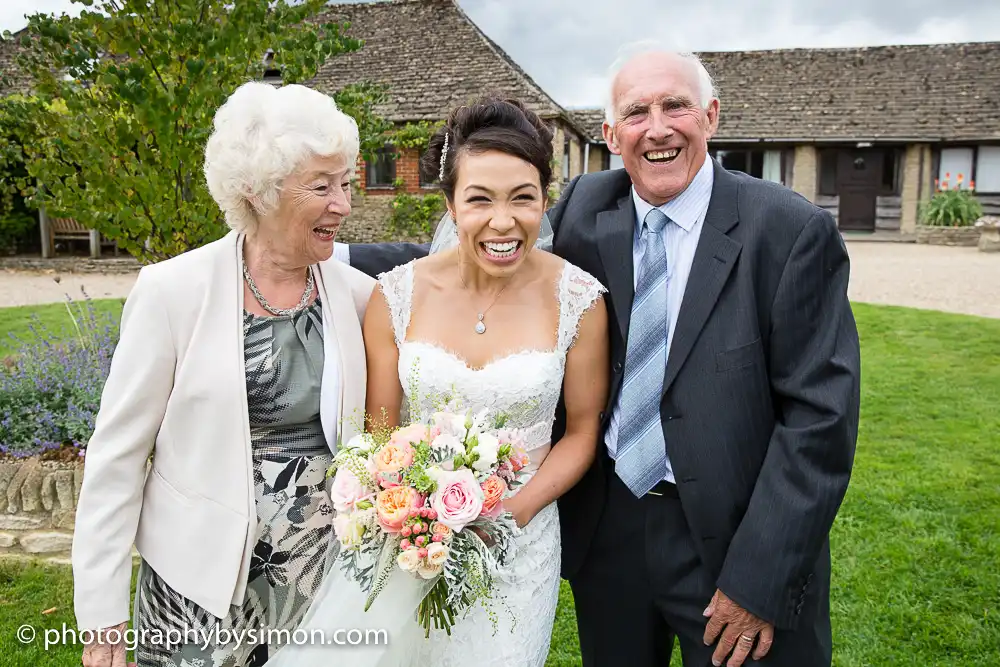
{"x": 387, "y": 152}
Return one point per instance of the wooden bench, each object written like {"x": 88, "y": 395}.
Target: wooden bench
{"x": 69, "y": 229}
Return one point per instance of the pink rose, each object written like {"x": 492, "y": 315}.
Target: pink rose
{"x": 387, "y": 480}
{"x": 458, "y": 499}
{"x": 347, "y": 490}
{"x": 411, "y": 435}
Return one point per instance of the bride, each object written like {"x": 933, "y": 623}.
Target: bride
{"x": 502, "y": 326}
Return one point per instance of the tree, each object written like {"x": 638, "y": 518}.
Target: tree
{"x": 122, "y": 103}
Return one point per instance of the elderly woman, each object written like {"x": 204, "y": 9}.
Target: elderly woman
{"x": 240, "y": 367}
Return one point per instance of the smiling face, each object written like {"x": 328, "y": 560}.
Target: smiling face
{"x": 661, "y": 128}
{"x": 497, "y": 206}
{"x": 313, "y": 203}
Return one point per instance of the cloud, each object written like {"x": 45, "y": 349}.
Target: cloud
{"x": 567, "y": 45}
{"x": 12, "y": 12}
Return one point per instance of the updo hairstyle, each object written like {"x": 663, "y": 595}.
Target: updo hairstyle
{"x": 491, "y": 123}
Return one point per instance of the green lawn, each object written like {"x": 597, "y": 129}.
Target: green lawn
{"x": 53, "y": 317}
{"x": 917, "y": 543}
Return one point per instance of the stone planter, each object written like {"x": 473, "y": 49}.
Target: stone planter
{"x": 967, "y": 237}
{"x": 989, "y": 234}
{"x": 38, "y": 507}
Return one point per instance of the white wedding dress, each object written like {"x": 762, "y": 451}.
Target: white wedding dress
{"x": 525, "y": 385}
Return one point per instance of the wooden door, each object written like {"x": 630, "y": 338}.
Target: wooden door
{"x": 859, "y": 176}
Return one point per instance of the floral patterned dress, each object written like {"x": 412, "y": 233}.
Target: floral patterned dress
{"x": 284, "y": 367}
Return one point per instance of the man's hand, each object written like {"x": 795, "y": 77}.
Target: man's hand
{"x": 741, "y": 630}
{"x": 104, "y": 653}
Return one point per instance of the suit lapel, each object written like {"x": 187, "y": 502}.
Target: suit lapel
{"x": 615, "y": 235}
{"x": 713, "y": 261}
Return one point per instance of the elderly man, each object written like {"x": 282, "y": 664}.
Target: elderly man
{"x": 732, "y": 423}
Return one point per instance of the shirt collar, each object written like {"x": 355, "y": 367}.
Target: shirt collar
{"x": 689, "y": 207}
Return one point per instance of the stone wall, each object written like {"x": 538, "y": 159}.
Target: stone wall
{"x": 916, "y": 187}
{"x": 370, "y": 218}
{"x": 967, "y": 237}
{"x": 804, "y": 172}
{"x": 38, "y": 507}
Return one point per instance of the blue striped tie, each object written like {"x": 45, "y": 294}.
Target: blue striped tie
{"x": 641, "y": 453}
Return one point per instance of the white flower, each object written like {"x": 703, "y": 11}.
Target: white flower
{"x": 408, "y": 560}
{"x": 450, "y": 424}
{"x": 362, "y": 441}
{"x": 350, "y": 529}
{"x": 429, "y": 571}
{"x": 437, "y": 554}
{"x": 448, "y": 447}
{"x": 487, "y": 449}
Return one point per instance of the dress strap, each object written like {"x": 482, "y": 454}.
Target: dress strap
{"x": 397, "y": 288}
{"x": 578, "y": 292}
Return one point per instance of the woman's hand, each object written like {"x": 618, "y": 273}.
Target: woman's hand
{"x": 107, "y": 648}
{"x": 521, "y": 511}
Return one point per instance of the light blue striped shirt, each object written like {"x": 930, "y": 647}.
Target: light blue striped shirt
{"x": 680, "y": 238}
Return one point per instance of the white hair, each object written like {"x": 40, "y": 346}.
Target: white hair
{"x": 261, "y": 135}
{"x": 706, "y": 86}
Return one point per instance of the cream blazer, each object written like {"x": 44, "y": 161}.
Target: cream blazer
{"x": 177, "y": 385}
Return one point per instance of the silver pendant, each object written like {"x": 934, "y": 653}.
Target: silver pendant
{"x": 480, "y": 327}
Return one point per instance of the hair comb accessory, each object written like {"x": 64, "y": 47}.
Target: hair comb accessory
{"x": 444, "y": 157}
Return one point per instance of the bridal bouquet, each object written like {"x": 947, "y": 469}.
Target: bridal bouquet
{"x": 427, "y": 499}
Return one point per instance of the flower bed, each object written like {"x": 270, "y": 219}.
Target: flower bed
{"x": 949, "y": 217}
{"x": 954, "y": 236}
{"x": 50, "y": 388}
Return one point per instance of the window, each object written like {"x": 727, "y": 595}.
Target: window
{"x": 955, "y": 161}
{"x": 381, "y": 173}
{"x": 565, "y": 160}
{"x": 890, "y": 172}
{"x": 615, "y": 161}
{"x": 988, "y": 169}
{"x": 426, "y": 180}
{"x": 765, "y": 165}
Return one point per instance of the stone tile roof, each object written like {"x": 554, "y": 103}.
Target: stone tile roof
{"x": 592, "y": 122}
{"x": 945, "y": 92}
{"x": 431, "y": 55}
{"x": 948, "y": 92}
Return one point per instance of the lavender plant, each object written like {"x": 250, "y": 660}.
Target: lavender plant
{"x": 50, "y": 389}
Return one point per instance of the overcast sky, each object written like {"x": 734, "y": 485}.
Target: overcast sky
{"x": 566, "y": 45}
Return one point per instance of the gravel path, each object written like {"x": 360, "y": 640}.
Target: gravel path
{"x": 959, "y": 280}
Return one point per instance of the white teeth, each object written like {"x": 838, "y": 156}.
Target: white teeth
{"x": 501, "y": 249}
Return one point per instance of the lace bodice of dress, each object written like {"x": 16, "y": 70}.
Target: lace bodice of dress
{"x": 525, "y": 385}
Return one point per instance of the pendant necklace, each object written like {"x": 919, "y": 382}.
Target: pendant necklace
{"x": 480, "y": 327}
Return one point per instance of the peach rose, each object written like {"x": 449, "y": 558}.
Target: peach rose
{"x": 393, "y": 457}
{"x": 393, "y": 507}
{"x": 494, "y": 489}
{"x": 440, "y": 529}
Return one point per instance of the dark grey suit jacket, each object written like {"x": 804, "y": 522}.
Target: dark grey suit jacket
{"x": 761, "y": 390}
